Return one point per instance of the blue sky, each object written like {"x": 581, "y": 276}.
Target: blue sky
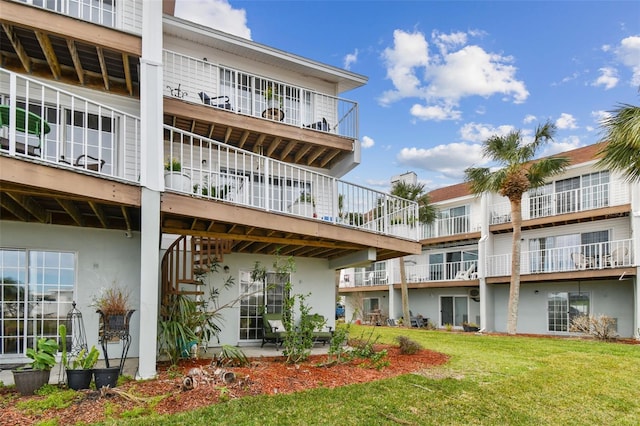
{"x": 446, "y": 75}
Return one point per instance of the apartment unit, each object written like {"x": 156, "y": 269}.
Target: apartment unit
{"x": 134, "y": 144}
{"x": 580, "y": 244}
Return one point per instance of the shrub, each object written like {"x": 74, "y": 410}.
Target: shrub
{"x": 602, "y": 327}
{"x": 408, "y": 346}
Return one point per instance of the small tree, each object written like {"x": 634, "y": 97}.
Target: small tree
{"x": 622, "y": 134}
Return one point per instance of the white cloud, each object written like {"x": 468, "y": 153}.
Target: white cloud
{"x": 367, "y": 142}
{"x": 350, "y": 59}
{"x": 600, "y": 116}
{"x": 629, "y": 54}
{"x": 454, "y": 72}
{"x": 478, "y": 132}
{"x": 566, "y": 121}
{"x": 217, "y": 14}
{"x": 529, "y": 119}
{"x": 450, "y": 160}
{"x": 557, "y": 147}
{"x": 608, "y": 78}
{"x": 435, "y": 112}
{"x": 473, "y": 72}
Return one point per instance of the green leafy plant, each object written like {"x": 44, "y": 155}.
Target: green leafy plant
{"x": 173, "y": 165}
{"x": 305, "y": 197}
{"x": 337, "y": 342}
{"x": 85, "y": 360}
{"x": 44, "y": 356}
{"x": 230, "y": 356}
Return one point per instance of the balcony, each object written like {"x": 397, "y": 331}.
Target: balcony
{"x": 67, "y": 130}
{"x": 615, "y": 193}
{"x": 121, "y": 15}
{"x": 363, "y": 278}
{"x": 449, "y": 271}
{"x": 585, "y": 257}
{"x": 448, "y": 226}
{"x": 216, "y": 171}
{"x": 259, "y": 114}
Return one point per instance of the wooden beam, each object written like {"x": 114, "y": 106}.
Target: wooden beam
{"x": 287, "y": 149}
{"x": 49, "y": 54}
{"x": 31, "y": 206}
{"x": 273, "y": 146}
{"x": 303, "y": 151}
{"x": 72, "y": 210}
{"x": 227, "y": 135}
{"x": 126, "y": 216}
{"x": 127, "y": 73}
{"x": 330, "y": 156}
{"x": 318, "y": 151}
{"x": 210, "y": 133}
{"x": 243, "y": 138}
{"x": 73, "y": 51}
{"x": 103, "y": 67}
{"x": 14, "y": 208}
{"x": 17, "y": 46}
{"x": 99, "y": 214}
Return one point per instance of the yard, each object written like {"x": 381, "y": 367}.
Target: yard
{"x": 488, "y": 379}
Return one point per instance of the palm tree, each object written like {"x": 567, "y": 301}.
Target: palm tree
{"x": 426, "y": 214}
{"x": 518, "y": 174}
{"x": 622, "y": 132}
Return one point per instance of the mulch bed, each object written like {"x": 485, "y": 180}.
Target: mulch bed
{"x": 264, "y": 376}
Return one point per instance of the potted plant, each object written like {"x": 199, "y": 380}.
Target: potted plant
{"x": 174, "y": 177}
{"x": 274, "y": 104}
{"x": 30, "y": 378}
{"x": 79, "y": 367}
{"x": 112, "y": 304}
{"x": 304, "y": 205}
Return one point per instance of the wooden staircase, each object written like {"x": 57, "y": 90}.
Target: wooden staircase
{"x": 185, "y": 260}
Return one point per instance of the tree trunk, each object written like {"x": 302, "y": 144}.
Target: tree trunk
{"x": 514, "y": 288}
{"x": 405, "y": 295}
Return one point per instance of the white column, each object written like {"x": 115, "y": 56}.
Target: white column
{"x": 152, "y": 181}
{"x": 486, "y": 308}
{"x": 634, "y": 189}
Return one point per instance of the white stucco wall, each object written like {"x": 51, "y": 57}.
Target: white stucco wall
{"x": 102, "y": 258}
{"x": 613, "y": 298}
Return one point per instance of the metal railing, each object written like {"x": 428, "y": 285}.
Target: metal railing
{"x": 555, "y": 203}
{"x": 449, "y": 271}
{"x": 214, "y": 170}
{"x": 443, "y": 227}
{"x": 610, "y": 254}
{"x": 362, "y": 278}
{"x": 67, "y": 130}
{"x": 122, "y": 15}
{"x": 199, "y": 81}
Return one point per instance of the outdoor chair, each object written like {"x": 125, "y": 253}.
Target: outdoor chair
{"x": 86, "y": 162}
{"x": 322, "y": 333}
{"x": 580, "y": 261}
{"x": 466, "y": 275}
{"x": 216, "y": 101}
{"x": 273, "y": 330}
{"x": 320, "y": 125}
{"x": 617, "y": 256}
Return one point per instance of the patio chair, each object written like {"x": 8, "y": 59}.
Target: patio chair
{"x": 273, "y": 329}
{"x": 466, "y": 275}
{"x": 221, "y": 101}
{"x": 320, "y": 125}
{"x": 322, "y": 333}
{"x": 617, "y": 256}
{"x": 26, "y": 122}
{"x": 369, "y": 279}
{"x": 580, "y": 261}
{"x": 86, "y": 162}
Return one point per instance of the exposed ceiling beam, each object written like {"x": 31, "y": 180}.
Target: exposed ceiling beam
{"x": 72, "y": 210}
{"x": 243, "y": 138}
{"x": 287, "y": 149}
{"x": 14, "y": 208}
{"x": 315, "y": 154}
{"x": 73, "y": 50}
{"x": 31, "y": 206}
{"x": 99, "y": 214}
{"x": 103, "y": 67}
{"x": 327, "y": 158}
{"x": 303, "y": 151}
{"x": 273, "y": 146}
{"x": 127, "y": 73}
{"x": 17, "y": 46}
{"x": 49, "y": 54}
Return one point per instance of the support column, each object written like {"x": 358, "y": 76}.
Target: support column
{"x": 152, "y": 181}
{"x": 634, "y": 191}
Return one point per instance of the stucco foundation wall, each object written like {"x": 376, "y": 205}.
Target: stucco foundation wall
{"x": 103, "y": 257}
{"x": 613, "y": 298}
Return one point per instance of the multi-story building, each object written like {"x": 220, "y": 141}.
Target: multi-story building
{"x": 134, "y": 143}
{"x": 580, "y": 244}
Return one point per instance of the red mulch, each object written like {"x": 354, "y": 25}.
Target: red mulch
{"x": 264, "y": 376}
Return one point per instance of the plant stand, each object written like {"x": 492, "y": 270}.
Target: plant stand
{"x": 114, "y": 327}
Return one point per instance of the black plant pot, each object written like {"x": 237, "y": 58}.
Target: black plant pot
{"x": 79, "y": 379}
{"x": 28, "y": 381}
{"x": 106, "y": 377}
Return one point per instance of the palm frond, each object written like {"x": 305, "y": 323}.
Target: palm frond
{"x": 622, "y": 132}
{"x": 540, "y": 171}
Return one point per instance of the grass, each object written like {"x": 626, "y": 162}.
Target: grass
{"x": 489, "y": 380}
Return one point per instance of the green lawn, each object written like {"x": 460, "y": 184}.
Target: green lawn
{"x": 492, "y": 380}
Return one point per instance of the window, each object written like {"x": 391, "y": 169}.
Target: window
{"x": 556, "y": 253}
{"x": 260, "y": 297}
{"x": 97, "y": 11}
{"x": 445, "y": 266}
{"x": 453, "y": 221}
{"x": 453, "y": 310}
{"x": 37, "y": 293}
{"x": 371, "y": 304}
{"x": 563, "y": 307}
